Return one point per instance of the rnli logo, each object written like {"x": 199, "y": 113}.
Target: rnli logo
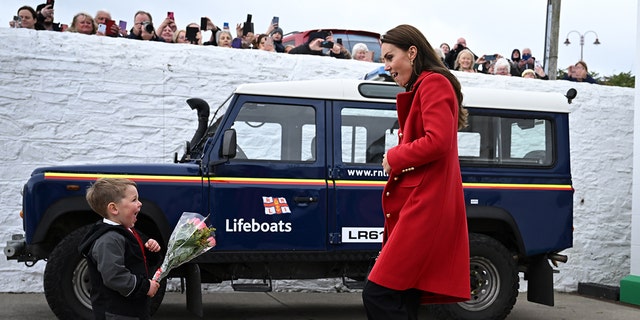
{"x": 275, "y": 205}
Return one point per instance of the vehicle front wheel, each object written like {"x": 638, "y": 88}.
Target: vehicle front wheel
{"x": 494, "y": 283}
{"x": 67, "y": 286}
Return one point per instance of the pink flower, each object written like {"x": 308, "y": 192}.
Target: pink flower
{"x": 211, "y": 241}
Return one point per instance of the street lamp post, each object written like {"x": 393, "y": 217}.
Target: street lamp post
{"x": 567, "y": 42}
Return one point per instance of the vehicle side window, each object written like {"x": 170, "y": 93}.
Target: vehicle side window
{"x": 276, "y": 132}
{"x": 367, "y": 134}
{"x": 507, "y": 141}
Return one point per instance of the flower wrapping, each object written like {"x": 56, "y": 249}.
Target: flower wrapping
{"x": 190, "y": 238}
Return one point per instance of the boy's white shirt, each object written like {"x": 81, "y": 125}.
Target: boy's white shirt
{"x": 111, "y": 222}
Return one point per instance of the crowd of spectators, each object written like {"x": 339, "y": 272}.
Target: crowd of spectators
{"x": 459, "y": 57}
{"x": 42, "y": 18}
{"x": 521, "y": 64}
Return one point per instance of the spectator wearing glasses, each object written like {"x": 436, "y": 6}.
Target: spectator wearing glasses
{"x": 143, "y": 27}
{"x": 102, "y": 16}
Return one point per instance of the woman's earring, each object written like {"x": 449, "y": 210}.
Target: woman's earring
{"x": 411, "y": 62}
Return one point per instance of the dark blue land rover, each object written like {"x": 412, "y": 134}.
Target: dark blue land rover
{"x": 291, "y": 178}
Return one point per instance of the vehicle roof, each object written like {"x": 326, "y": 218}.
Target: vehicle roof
{"x": 347, "y": 31}
{"x": 348, "y": 89}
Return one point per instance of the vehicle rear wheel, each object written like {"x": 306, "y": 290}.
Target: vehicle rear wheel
{"x": 494, "y": 283}
{"x": 67, "y": 286}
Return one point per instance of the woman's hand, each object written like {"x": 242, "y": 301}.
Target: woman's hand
{"x": 385, "y": 165}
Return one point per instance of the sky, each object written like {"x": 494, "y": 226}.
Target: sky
{"x": 489, "y": 26}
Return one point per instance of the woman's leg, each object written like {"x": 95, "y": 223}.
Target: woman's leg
{"x": 388, "y": 304}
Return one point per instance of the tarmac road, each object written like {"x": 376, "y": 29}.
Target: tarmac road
{"x": 317, "y": 306}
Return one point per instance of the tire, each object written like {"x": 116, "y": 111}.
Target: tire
{"x": 494, "y": 283}
{"x": 67, "y": 286}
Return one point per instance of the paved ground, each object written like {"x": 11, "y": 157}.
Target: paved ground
{"x": 317, "y": 306}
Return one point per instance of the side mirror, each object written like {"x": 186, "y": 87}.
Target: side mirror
{"x": 229, "y": 144}
{"x": 571, "y": 94}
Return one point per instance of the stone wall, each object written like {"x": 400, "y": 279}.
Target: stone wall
{"x": 71, "y": 99}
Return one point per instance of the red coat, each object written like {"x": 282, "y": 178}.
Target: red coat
{"x": 425, "y": 244}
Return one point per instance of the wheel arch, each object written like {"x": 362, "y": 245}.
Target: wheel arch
{"x": 496, "y": 223}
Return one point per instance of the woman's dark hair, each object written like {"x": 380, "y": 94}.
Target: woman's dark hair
{"x": 33, "y": 12}
{"x": 404, "y": 36}
{"x": 519, "y": 55}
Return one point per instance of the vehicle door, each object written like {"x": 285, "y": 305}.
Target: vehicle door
{"x": 273, "y": 194}
{"x": 362, "y": 133}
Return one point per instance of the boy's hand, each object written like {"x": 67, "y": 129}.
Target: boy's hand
{"x": 152, "y": 245}
{"x": 153, "y": 288}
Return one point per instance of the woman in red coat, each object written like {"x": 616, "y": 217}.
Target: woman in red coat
{"x": 425, "y": 248}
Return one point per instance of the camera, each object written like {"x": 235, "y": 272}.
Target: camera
{"x": 148, "y": 27}
{"x": 17, "y": 21}
{"x": 327, "y": 44}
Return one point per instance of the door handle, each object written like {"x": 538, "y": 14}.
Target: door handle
{"x": 305, "y": 199}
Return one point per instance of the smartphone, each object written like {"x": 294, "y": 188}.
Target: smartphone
{"x": 203, "y": 23}
{"x": 109, "y": 24}
{"x": 226, "y": 26}
{"x": 122, "y": 25}
{"x": 489, "y": 57}
{"x": 339, "y": 41}
{"x": 191, "y": 34}
{"x": 102, "y": 28}
{"x": 275, "y": 20}
{"x": 327, "y": 44}
{"x": 248, "y": 27}
{"x": 170, "y": 15}
{"x": 51, "y": 2}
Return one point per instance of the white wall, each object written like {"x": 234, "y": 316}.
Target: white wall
{"x": 70, "y": 99}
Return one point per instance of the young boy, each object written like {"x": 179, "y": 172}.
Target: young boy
{"x": 118, "y": 260}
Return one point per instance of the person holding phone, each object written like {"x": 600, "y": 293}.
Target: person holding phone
{"x": 527, "y": 61}
{"x": 276, "y": 34}
{"x": 26, "y": 18}
{"x": 167, "y": 28}
{"x": 45, "y": 18}
{"x": 317, "y": 42}
{"x": 425, "y": 245}
{"x": 113, "y": 29}
{"x": 244, "y": 36}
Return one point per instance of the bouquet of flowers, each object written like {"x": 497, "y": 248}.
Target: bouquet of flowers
{"x": 189, "y": 239}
